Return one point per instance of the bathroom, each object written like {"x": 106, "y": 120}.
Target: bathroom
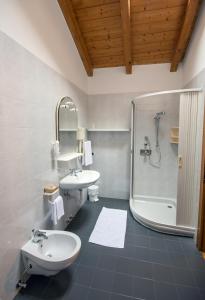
{"x": 41, "y": 64}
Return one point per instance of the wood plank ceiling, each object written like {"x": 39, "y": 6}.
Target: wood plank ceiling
{"x": 112, "y": 33}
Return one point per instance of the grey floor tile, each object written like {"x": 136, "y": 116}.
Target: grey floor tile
{"x": 107, "y": 262}
{"x": 84, "y": 275}
{"x": 188, "y": 293}
{"x": 189, "y": 246}
{"x": 160, "y": 257}
{"x": 77, "y": 292}
{"x": 162, "y": 273}
{"x": 94, "y": 294}
{"x": 178, "y": 259}
{"x": 174, "y": 245}
{"x": 137, "y": 240}
{"x": 102, "y": 280}
{"x": 120, "y": 297}
{"x": 199, "y": 277}
{"x": 156, "y": 234}
{"x": 138, "y": 229}
{"x": 165, "y": 291}
{"x": 157, "y": 243}
{"x": 143, "y": 289}
{"x": 112, "y": 251}
{"x": 140, "y": 253}
{"x": 60, "y": 284}
{"x": 93, "y": 248}
{"x": 134, "y": 267}
{"x": 122, "y": 284}
{"x": 130, "y": 252}
{"x": 183, "y": 277}
{"x": 89, "y": 258}
{"x": 202, "y": 293}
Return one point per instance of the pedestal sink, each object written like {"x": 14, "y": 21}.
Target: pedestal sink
{"x": 79, "y": 180}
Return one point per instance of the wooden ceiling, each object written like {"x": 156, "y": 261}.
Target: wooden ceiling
{"x": 112, "y": 33}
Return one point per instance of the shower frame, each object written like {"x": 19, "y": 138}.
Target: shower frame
{"x": 169, "y": 229}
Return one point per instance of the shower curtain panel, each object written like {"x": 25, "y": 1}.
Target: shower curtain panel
{"x": 190, "y": 143}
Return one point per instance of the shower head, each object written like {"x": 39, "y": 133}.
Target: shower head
{"x": 159, "y": 114}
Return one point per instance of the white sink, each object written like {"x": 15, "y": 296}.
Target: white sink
{"x": 51, "y": 255}
{"x": 80, "y": 180}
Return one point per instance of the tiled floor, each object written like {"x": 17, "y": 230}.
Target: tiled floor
{"x": 152, "y": 266}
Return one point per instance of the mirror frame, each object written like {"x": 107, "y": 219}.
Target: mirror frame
{"x": 57, "y": 114}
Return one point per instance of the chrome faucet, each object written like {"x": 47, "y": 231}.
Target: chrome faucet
{"x": 74, "y": 172}
{"x": 38, "y": 236}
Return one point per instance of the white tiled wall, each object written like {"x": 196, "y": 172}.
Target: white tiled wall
{"x": 111, "y": 159}
{"x": 110, "y": 111}
{"x": 148, "y": 180}
{"x": 29, "y": 91}
{"x": 111, "y": 149}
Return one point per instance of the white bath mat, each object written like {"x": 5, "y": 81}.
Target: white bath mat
{"x": 110, "y": 228}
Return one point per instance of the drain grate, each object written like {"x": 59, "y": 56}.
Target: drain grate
{"x": 169, "y": 206}
{"x": 49, "y": 254}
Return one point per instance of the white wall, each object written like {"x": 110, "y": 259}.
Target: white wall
{"x": 148, "y": 180}
{"x": 144, "y": 78}
{"x": 194, "y": 61}
{"x": 39, "y": 26}
{"x": 29, "y": 92}
{"x": 111, "y": 149}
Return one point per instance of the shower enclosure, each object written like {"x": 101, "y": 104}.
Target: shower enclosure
{"x": 166, "y": 148}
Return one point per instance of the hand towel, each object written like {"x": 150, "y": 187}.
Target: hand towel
{"x": 53, "y": 208}
{"x": 88, "y": 159}
{"x": 60, "y": 207}
{"x": 57, "y": 209}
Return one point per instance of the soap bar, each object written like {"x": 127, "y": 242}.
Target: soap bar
{"x": 50, "y": 188}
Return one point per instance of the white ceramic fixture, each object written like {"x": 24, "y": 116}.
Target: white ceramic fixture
{"x": 68, "y": 156}
{"x": 50, "y": 255}
{"x": 79, "y": 180}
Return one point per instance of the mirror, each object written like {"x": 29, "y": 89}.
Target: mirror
{"x": 66, "y": 125}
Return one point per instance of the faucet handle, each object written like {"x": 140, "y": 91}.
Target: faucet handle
{"x": 37, "y": 231}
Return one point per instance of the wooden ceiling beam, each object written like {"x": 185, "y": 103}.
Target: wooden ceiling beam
{"x": 126, "y": 31}
{"x": 185, "y": 33}
{"x": 69, "y": 15}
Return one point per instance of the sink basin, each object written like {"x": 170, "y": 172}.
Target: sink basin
{"x": 79, "y": 181}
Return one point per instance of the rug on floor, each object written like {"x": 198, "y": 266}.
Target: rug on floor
{"x": 110, "y": 228}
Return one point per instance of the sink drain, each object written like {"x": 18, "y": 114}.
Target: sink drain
{"x": 169, "y": 206}
{"x": 49, "y": 254}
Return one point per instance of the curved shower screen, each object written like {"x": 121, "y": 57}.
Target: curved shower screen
{"x": 154, "y": 192}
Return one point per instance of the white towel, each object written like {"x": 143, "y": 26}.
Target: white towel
{"x": 60, "y": 207}
{"x": 88, "y": 159}
{"x": 57, "y": 209}
{"x": 53, "y": 208}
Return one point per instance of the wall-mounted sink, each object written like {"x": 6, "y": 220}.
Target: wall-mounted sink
{"x": 79, "y": 180}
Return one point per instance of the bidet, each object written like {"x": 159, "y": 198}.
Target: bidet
{"x": 51, "y": 255}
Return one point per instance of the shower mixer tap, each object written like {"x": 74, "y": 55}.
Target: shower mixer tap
{"x": 147, "y": 149}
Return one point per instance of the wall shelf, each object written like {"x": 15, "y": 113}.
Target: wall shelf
{"x": 68, "y": 156}
{"x": 67, "y": 130}
{"x": 174, "y": 135}
{"x": 109, "y": 129}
